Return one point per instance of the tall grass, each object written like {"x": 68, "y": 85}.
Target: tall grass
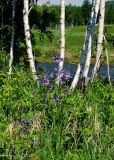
{"x": 41, "y": 124}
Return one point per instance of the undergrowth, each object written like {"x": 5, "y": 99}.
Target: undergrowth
{"x": 39, "y": 122}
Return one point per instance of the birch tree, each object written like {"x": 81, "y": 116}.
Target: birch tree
{"x": 100, "y": 37}
{"x": 88, "y": 41}
{"x": 12, "y": 37}
{"x": 28, "y": 38}
{"x": 88, "y": 58}
{"x": 62, "y": 22}
{"x": 62, "y": 47}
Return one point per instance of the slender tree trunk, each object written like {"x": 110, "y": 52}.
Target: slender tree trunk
{"x": 100, "y": 38}
{"x": 62, "y": 24}
{"x": 62, "y": 50}
{"x": 12, "y": 38}
{"x": 87, "y": 43}
{"x": 28, "y": 39}
{"x": 107, "y": 59}
{"x": 88, "y": 58}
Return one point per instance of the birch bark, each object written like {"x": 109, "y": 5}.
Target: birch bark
{"x": 87, "y": 43}
{"x": 100, "y": 38}
{"x": 88, "y": 58}
{"x": 62, "y": 49}
{"x": 12, "y": 38}
{"x": 62, "y": 40}
{"x": 28, "y": 39}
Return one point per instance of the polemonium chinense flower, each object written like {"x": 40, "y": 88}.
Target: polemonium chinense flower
{"x": 67, "y": 75}
{"x": 56, "y": 98}
{"x": 23, "y": 120}
{"x": 63, "y": 76}
{"x": 57, "y": 58}
{"x": 61, "y": 73}
{"x": 47, "y": 82}
{"x": 40, "y": 80}
{"x": 22, "y": 128}
{"x": 51, "y": 76}
{"x": 49, "y": 86}
{"x": 66, "y": 91}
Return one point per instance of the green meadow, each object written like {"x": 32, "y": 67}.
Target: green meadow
{"x": 74, "y": 43}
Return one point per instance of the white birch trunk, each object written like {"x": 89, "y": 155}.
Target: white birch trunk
{"x": 12, "y": 38}
{"x": 28, "y": 39}
{"x": 62, "y": 49}
{"x": 88, "y": 58}
{"x": 100, "y": 38}
{"x": 87, "y": 43}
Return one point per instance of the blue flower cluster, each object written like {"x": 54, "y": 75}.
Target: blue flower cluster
{"x": 63, "y": 75}
{"x": 57, "y": 58}
{"x": 46, "y": 80}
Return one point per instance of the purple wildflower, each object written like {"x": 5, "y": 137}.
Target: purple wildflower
{"x": 57, "y": 58}
{"x": 63, "y": 76}
{"x": 61, "y": 81}
{"x": 61, "y": 73}
{"x": 56, "y": 98}
{"x": 66, "y": 91}
{"x": 23, "y": 120}
{"x": 40, "y": 80}
{"x": 67, "y": 75}
{"x": 46, "y": 80}
{"x": 22, "y": 128}
{"x": 51, "y": 76}
{"x": 49, "y": 86}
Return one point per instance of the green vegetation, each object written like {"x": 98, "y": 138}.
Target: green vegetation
{"x": 41, "y": 124}
{"x": 40, "y": 120}
{"x": 74, "y": 44}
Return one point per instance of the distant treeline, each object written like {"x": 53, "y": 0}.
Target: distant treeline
{"x": 74, "y": 15}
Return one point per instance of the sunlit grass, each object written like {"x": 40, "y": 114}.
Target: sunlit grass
{"x": 74, "y": 43}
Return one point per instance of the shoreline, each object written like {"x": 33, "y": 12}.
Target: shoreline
{"x": 68, "y": 62}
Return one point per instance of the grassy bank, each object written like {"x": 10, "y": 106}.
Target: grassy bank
{"x": 74, "y": 43}
{"x": 38, "y": 123}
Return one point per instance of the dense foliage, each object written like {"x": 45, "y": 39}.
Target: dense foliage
{"x": 42, "y": 122}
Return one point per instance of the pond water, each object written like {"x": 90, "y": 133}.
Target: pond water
{"x": 49, "y": 67}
